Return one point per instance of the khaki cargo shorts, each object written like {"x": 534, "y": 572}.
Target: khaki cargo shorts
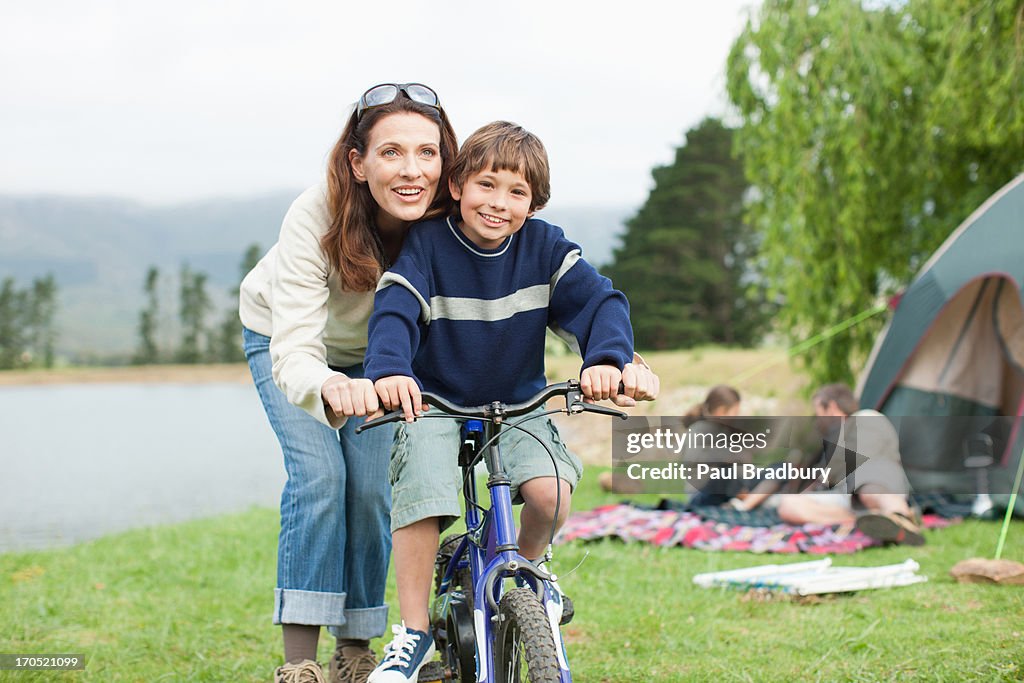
{"x": 427, "y": 480}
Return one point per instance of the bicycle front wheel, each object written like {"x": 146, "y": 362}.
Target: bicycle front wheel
{"x": 524, "y": 650}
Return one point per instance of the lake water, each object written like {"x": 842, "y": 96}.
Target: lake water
{"x": 80, "y": 461}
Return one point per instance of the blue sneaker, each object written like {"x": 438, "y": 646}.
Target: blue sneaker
{"x": 404, "y": 656}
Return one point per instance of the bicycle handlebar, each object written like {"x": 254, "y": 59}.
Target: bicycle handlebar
{"x": 570, "y": 389}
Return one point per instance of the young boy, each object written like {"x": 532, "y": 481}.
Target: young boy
{"x": 463, "y": 314}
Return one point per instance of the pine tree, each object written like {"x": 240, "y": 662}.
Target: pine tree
{"x": 148, "y": 351}
{"x": 27, "y": 332}
{"x": 229, "y": 333}
{"x": 683, "y": 262}
{"x": 41, "y": 311}
{"x": 194, "y": 307}
{"x": 12, "y": 328}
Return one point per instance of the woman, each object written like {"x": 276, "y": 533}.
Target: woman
{"x": 711, "y": 419}
{"x": 722, "y": 401}
{"x": 304, "y": 308}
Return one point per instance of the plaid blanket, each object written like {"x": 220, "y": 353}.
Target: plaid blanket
{"x": 691, "y": 530}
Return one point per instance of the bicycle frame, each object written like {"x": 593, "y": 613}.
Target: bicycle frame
{"x": 491, "y": 550}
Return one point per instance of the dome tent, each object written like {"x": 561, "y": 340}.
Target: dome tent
{"x": 952, "y": 355}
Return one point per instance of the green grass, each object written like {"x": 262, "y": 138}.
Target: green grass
{"x": 192, "y": 602}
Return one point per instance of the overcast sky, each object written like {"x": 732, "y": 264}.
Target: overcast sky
{"x": 170, "y": 101}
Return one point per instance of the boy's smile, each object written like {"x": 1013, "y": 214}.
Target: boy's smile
{"x": 493, "y": 205}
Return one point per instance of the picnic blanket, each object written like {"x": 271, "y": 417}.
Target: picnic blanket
{"x": 667, "y": 527}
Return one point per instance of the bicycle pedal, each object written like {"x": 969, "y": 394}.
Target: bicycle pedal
{"x": 434, "y": 671}
{"x": 568, "y": 611}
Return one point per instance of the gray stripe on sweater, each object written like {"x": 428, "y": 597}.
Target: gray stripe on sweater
{"x": 490, "y": 310}
{"x": 487, "y": 310}
{"x": 390, "y": 278}
{"x": 568, "y": 262}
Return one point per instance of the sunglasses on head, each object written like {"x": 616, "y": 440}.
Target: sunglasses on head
{"x": 386, "y": 93}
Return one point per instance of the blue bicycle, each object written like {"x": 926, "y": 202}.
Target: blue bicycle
{"x": 495, "y": 616}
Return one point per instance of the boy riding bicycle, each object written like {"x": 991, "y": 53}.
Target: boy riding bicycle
{"x": 463, "y": 314}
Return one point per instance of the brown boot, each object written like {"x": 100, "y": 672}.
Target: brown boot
{"x": 352, "y": 664}
{"x": 306, "y": 671}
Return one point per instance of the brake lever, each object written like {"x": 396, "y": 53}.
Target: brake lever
{"x": 574, "y": 402}
{"x": 582, "y": 407}
{"x": 387, "y": 418}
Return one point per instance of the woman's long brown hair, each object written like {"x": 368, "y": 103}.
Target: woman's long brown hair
{"x": 350, "y": 243}
{"x": 719, "y": 396}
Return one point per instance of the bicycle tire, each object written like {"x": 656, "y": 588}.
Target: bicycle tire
{"x": 454, "y": 634}
{"x": 524, "y": 650}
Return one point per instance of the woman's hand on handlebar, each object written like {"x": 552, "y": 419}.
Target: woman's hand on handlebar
{"x": 400, "y": 391}
{"x": 638, "y": 383}
{"x": 349, "y": 397}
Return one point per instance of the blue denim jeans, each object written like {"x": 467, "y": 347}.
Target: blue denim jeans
{"x": 332, "y": 555}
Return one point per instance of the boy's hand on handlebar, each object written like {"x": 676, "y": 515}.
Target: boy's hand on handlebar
{"x": 639, "y": 383}
{"x": 349, "y": 397}
{"x": 600, "y": 382}
{"x": 400, "y": 391}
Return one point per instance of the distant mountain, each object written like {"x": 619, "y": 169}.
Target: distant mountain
{"x": 99, "y": 250}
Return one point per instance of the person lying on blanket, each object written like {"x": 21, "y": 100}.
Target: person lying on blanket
{"x": 872, "y": 496}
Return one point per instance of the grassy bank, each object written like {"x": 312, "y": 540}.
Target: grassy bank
{"x": 697, "y": 367}
{"x": 192, "y": 602}
{"x": 183, "y": 374}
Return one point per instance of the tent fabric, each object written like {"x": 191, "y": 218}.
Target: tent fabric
{"x": 973, "y": 348}
{"x": 989, "y": 244}
{"x": 954, "y": 345}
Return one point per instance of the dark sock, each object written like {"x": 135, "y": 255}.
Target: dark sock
{"x": 299, "y": 642}
{"x": 352, "y": 647}
{"x": 353, "y": 642}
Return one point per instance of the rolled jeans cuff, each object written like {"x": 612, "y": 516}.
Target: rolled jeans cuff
{"x": 313, "y": 608}
{"x": 362, "y": 624}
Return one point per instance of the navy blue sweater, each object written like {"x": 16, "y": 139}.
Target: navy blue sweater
{"x": 469, "y": 323}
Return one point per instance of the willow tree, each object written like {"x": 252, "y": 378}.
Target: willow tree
{"x": 867, "y": 139}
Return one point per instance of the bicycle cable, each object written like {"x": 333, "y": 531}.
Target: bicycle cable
{"x": 579, "y": 564}
{"x": 551, "y": 456}
{"x": 516, "y": 425}
{"x": 472, "y": 465}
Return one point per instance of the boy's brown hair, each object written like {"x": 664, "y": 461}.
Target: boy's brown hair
{"x": 504, "y": 146}
{"x": 841, "y": 394}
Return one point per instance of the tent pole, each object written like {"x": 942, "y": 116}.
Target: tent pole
{"x": 797, "y": 349}
{"x": 1010, "y": 506}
